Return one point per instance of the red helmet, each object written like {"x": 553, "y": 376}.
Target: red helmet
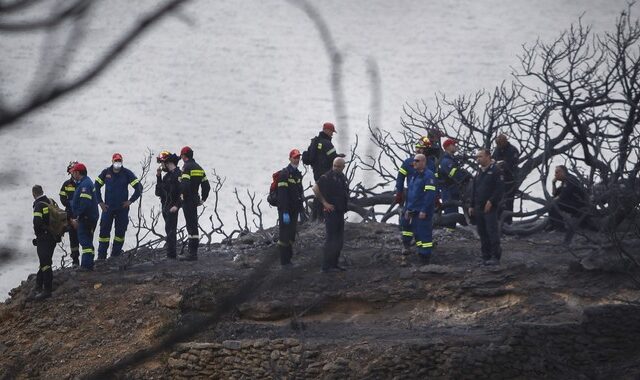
{"x": 295, "y": 153}
{"x": 448, "y": 142}
{"x": 78, "y": 167}
{"x": 116, "y": 157}
{"x": 329, "y": 126}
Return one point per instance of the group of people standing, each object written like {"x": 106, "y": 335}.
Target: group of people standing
{"x": 82, "y": 200}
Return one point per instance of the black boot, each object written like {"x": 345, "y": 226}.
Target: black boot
{"x": 46, "y": 293}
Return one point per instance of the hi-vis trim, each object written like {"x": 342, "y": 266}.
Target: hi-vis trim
{"x": 118, "y": 239}
{"x": 402, "y": 171}
{"x": 429, "y": 187}
{"x": 103, "y": 239}
{"x": 134, "y": 182}
{"x": 45, "y": 268}
{"x": 283, "y": 184}
{"x": 69, "y": 188}
{"x": 85, "y": 195}
{"x": 333, "y": 150}
{"x": 407, "y": 233}
{"x": 293, "y": 180}
{"x": 453, "y": 172}
{"x": 88, "y": 251}
{"x": 194, "y": 236}
{"x": 45, "y": 210}
{"x": 185, "y": 176}
{"x": 37, "y": 214}
{"x": 197, "y": 173}
{"x": 100, "y": 181}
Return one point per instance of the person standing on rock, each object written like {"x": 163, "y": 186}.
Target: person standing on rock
{"x": 168, "y": 189}
{"x": 45, "y": 244}
{"x": 193, "y": 179}
{"x": 488, "y": 190}
{"x": 506, "y": 156}
{"x": 290, "y": 203}
{"x": 66, "y": 194}
{"x": 116, "y": 179}
{"x": 85, "y": 211}
{"x": 332, "y": 190}
{"x": 450, "y": 176}
{"x": 406, "y": 172}
{"x": 421, "y": 196}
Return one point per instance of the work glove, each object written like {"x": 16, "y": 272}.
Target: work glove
{"x": 286, "y": 219}
{"x": 399, "y": 198}
{"x": 34, "y": 242}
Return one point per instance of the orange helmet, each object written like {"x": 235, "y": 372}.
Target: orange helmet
{"x": 423, "y": 142}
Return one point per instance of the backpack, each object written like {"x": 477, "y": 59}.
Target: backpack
{"x": 309, "y": 155}
{"x": 272, "y": 198}
{"x": 58, "y": 223}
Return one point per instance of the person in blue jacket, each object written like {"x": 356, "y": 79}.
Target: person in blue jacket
{"x": 405, "y": 173}
{"x": 116, "y": 179}
{"x": 421, "y": 196}
{"x": 450, "y": 177}
{"x": 85, "y": 211}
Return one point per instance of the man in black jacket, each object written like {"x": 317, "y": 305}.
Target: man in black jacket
{"x": 321, "y": 155}
{"x": 488, "y": 190}
{"x": 45, "y": 244}
{"x": 570, "y": 196}
{"x": 192, "y": 179}
{"x": 168, "y": 189}
{"x": 290, "y": 200}
{"x": 506, "y": 156}
{"x": 332, "y": 189}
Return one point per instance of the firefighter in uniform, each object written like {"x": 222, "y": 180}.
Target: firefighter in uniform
{"x": 421, "y": 197}
{"x": 332, "y": 189}
{"x": 192, "y": 179}
{"x": 66, "y": 194}
{"x": 168, "y": 189}
{"x": 321, "y": 154}
{"x": 488, "y": 190}
{"x": 450, "y": 177}
{"x": 45, "y": 244}
{"x": 405, "y": 172}
{"x": 84, "y": 206}
{"x": 290, "y": 198}
{"x": 116, "y": 179}
{"x": 506, "y": 156}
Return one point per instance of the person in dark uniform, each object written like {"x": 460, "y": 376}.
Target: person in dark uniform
{"x": 116, "y": 179}
{"x": 66, "y": 195}
{"x": 45, "y": 244}
{"x": 405, "y": 173}
{"x": 421, "y": 196}
{"x": 506, "y": 156}
{"x": 84, "y": 206}
{"x": 487, "y": 193}
{"x": 321, "y": 155}
{"x": 570, "y": 197}
{"x": 168, "y": 189}
{"x": 450, "y": 178}
{"x": 290, "y": 199}
{"x": 193, "y": 179}
{"x": 332, "y": 190}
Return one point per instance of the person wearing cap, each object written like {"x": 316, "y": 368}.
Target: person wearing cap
{"x": 321, "y": 155}
{"x": 84, "y": 206}
{"x": 451, "y": 177}
{"x": 168, "y": 189}
{"x": 66, "y": 194}
{"x": 506, "y": 156}
{"x": 421, "y": 196}
{"x": 193, "y": 179}
{"x": 115, "y": 207}
{"x": 290, "y": 201}
{"x": 45, "y": 244}
{"x": 487, "y": 192}
{"x": 332, "y": 189}
{"x": 405, "y": 173}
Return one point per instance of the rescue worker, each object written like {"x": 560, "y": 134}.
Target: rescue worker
{"x": 168, "y": 189}
{"x": 488, "y": 190}
{"x": 332, "y": 190}
{"x": 570, "y": 197}
{"x": 506, "y": 156}
{"x": 45, "y": 244}
{"x": 290, "y": 199}
{"x": 192, "y": 179}
{"x": 84, "y": 206}
{"x": 66, "y": 195}
{"x": 450, "y": 178}
{"x": 115, "y": 207}
{"x": 421, "y": 196}
{"x": 405, "y": 172}
{"x": 321, "y": 155}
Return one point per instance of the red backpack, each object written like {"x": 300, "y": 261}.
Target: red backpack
{"x": 272, "y": 198}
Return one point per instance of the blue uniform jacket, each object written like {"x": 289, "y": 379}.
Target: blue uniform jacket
{"x": 449, "y": 172}
{"x": 407, "y": 171}
{"x": 117, "y": 187}
{"x": 84, "y": 203}
{"x": 421, "y": 195}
